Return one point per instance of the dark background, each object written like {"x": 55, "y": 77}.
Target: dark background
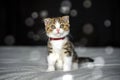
{"x": 15, "y": 32}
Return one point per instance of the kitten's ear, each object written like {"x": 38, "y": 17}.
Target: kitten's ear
{"x": 65, "y": 19}
{"x": 46, "y": 21}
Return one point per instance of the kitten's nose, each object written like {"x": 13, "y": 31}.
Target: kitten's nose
{"x": 58, "y": 30}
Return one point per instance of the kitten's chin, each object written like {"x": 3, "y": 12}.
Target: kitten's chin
{"x": 58, "y": 35}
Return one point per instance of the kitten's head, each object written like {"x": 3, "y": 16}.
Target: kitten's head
{"x": 57, "y": 27}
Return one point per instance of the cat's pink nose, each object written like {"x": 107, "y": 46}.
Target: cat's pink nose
{"x": 58, "y": 30}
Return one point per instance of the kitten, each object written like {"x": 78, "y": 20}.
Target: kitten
{"x": 61, "y": 53}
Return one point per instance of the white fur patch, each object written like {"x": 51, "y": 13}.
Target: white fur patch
{"x": 57, "y": 45}
{"x": 67, "y": 64}
{"x": 59, "y": 64}
{"x": 57, "y": 24}
{"x": 51, "y": 62}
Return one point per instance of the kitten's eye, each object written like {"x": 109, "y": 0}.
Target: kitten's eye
{"x": 53, "y": 27}
{"x": 61, "y": 26}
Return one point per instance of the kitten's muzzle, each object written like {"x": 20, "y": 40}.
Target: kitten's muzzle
{"x": 58, "y": 31}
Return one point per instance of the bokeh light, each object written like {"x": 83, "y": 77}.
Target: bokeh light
{"x": 29, "y": 22}
{"x": 40, "y": 35}
{"x": 36, "y": 37}
{"x": 107, "y": 23}
{"x": 65, "y": 7}
{"x": 109, "y": 50}
{"x": 88, "y": 28}
{"x": 67, "y": 77}
{"x": 99, "y": 62}
{"x": 43, "y": 13}
{"x": 87, "y": 3}
{"x": 34, "y": 15}
{"x": 73, "y": 13}
{"x": 66, "y": 3}
{"x": 9, "y": 40}
{"x": 30, "y": 34}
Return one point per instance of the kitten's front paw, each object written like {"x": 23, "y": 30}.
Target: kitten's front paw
{"x": 50, "y": 69}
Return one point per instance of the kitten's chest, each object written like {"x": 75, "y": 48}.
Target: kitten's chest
{"x": 57, "y": 45}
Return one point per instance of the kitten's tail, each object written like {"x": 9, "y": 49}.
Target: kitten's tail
{"x": 85, "y": 59}
{"x": 80, "y": 62}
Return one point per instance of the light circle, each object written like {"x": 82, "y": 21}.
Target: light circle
{"x": 44, "y": 13}
{"x": 29, "y": 22}
{"x": 9, "y": 40}
{"x": 34, "y": 15}
{"x": 88, "y": 28}
{"x": 107, "y": 23}
{"x": 87, "y": 3}
{"x": 73, "y": 13}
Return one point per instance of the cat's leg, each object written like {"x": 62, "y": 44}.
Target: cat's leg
{"x": 67, "y": 63}
{"x": 59, "y": 64}
{"x": 51, "y": 62}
